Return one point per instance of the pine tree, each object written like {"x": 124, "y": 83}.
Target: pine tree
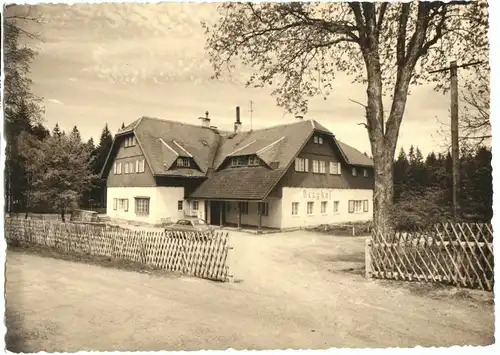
{"x": 56, "y": 131}
{"x": 401, "y": 169}
{"x": 18, "y": 123}
{"x": 100, "y": 155}
{"x": 60, "y": 170}
{"x": 75, "y": 134}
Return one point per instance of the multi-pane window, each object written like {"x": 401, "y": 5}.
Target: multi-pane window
{"x": 123, "y": 204}
{"x": 365, "y": 172}
{"x": 118, "y": 168}
{"x": 180, "y": 205}
{"x": 335, "y": 206}
{"x": 322, "y": 167}
{"x": 243, "y": 207}
{"x": 319, "y": 167}
{"x": 318, "y": 140}
{"x": 310, "y": 207}
{"x": 142, "y": 206}
{"x": 236, "y": 161}
{"x": 324, "y": 206}
{"x": 128, "y": 168}
{"x": 295, "y": 208}
{"x": 120, "y": 204}
{"x": 183, "y": 162}
{"x": 253, "y": 160}
{"x": 335, "y": 168}
{"x": 355, "y": 206}
{"x": 263, "y": 208}
{"x": 354, "y": 172}
{"x": 195, "y": 205}
{"x": 139, "y": 166}
{"x": 315, "y": 166}
{"x": 129, "y": 141}
{"x": 301, "y": 164}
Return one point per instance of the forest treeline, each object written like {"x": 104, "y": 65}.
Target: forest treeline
{"x": 54, "y": 171}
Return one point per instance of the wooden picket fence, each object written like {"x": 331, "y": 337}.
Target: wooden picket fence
{"x": 459, "y": 254}
{"x": 195, "y": 254}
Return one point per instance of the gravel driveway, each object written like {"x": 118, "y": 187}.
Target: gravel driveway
{"x": 291, "y": 290}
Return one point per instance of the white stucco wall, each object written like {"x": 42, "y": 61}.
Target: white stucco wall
{"x": 162, "y": 203}
{"x": 303, "y": 195}
{"x": 190, "y": 211}
{"x": 272, "y": 220}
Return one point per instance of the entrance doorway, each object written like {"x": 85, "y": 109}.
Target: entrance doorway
{"x": 215, "y": 209}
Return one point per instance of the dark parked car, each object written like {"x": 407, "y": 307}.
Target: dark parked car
{"x": 190, "y": 225}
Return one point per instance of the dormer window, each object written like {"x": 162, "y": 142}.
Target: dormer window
{"x": 183, "y": 163}
{"x": 318, "y": 140}
{"x": 335, "y": 168}
{"x": 236, "y": 161}
{"x": 129, "y": 141}
{"x": 253, "y": 160}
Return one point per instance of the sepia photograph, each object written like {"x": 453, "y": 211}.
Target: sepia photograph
{"x": 183, "y": 176}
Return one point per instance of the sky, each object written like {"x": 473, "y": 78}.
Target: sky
{"x": 112, "y": 63}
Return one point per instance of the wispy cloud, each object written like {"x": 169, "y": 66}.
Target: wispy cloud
{"x": 55, "y": 101}
{"x": 121, "y": 61}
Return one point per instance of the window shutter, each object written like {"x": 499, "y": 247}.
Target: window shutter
{"x": 365, "y": 206}
{"x": 126, "y": 205}
{"x": 339, "y": 168}
{"x": 351, "y": 206}
{"x": 115, "y": 203}
{"x": 306, "y": 164}
{"x": 296, "y": 164}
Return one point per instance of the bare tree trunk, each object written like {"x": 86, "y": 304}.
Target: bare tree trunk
{"x": 383, "y": 192}
{"x": 62, "y": 215}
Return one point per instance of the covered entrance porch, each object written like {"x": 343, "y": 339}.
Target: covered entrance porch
{"x": 238, "y": 214}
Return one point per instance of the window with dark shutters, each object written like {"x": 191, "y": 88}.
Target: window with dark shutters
{"x": 351, "y": 206}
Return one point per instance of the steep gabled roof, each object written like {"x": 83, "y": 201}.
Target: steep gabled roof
{"x": 163, "y": 141}
{"x": 129, "y": 128}
{"x": 255, "y": 142}
{"x": 252, "y": 183}
{"x": 161, "y": 138}
{"x": 354, "y": 156}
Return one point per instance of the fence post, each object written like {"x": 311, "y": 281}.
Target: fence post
{"x": 368, "y": 258}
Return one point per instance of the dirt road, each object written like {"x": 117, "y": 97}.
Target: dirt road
{"x": 293, "y": 290}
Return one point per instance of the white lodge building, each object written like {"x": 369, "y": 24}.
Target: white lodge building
{"x": 287, "y": 176}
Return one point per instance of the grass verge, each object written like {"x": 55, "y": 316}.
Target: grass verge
{"x": 102, "y": 261}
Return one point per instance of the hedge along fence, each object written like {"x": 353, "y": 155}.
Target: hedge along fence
{"x": 194, "y": 254}
{"x": 459, "y": 254}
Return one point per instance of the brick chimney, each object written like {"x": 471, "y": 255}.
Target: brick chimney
{"x": 237, "y": 124}
{"x": 205, "y": 121}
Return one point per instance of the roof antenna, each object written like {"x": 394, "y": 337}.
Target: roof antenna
{"x": 251, "y": 112}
